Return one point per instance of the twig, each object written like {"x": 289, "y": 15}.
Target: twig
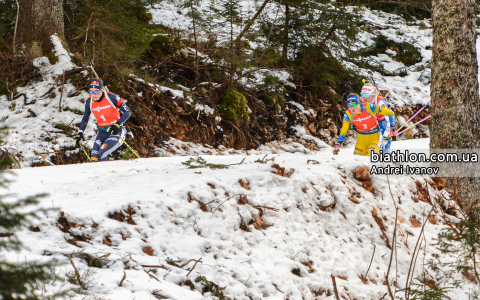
{"x": 383, "y": 296}
{"x": 238, "y": 163}
{"x": 335, "y": 290}
{"x": 152, "y": 276}
{"x": 390, "y": 189}
{"x": 266, "y": 207}
{"x": 374, "y": 247}
{"x": 15, "y": 33}
{"x": 407, "y": 289}
{"x": 472, "y": 205}
{"x": 61, "y": 95}
{"x": 199, "y": 260}
{"x": 394, "y": 241}
{"x": 124, "y": 276}
{"x": 153, "y": 266}
{"x": 224, "y": 201}
{"x": 77, "y": 274}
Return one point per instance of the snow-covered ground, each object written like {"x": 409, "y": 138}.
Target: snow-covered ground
{"x": 318, "y": 221}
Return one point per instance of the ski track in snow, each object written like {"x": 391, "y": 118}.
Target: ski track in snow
{"x": 256, "y": 264}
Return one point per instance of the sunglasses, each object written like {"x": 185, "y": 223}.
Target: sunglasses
{"x": 365, "y": 95}
{"x": 95, "y": 92}
{"x": 352, "y": 105}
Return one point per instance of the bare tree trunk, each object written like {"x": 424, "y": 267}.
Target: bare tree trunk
{"x": 196, "y": 48}
{"x": 454, "y": 87}
{"x": 39, "y": 19}
{"x": 285, "y": 33}
{"x": 250, "y": 22}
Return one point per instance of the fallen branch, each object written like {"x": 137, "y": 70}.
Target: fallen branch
{"x": 407, "y": 289}
{"x": 225, "y": 201}
{"x": 61, "y": 95}
{"x": 335, "y": 290}
{"x": 77, "y": 274}
{"x": 366, "y": 274}
{"x": 199, "y": 260}
{"x": 124, "y": 276}
{"x": 153, "y": 266}
{"x": 394, "y": 241}
{"x": 152, "y": 276}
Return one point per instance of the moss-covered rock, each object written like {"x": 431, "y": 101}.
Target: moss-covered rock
{"x": 275, "y": 99}
{"x": 406, "y": 53}
{"x": 161, "y": 46}
{"x": 234, "y": 104}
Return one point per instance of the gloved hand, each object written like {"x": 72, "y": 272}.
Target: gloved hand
{"x": 336, "y": 150}
{"x": 78, "y": 137}
{"x": 114, "y": 129}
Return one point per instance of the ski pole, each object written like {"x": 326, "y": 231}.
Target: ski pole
{"x": 396, "y": 134}
{"x": 411, "y": 117}
{"x": 91, "y": 64}
{"x": 129, "y": 147}
{"x": 83, "y": 149}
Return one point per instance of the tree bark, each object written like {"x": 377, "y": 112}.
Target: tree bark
{"x": 285, "y": 33}
{"x": 454, "y": 86}
{"x": 39, "y": 19}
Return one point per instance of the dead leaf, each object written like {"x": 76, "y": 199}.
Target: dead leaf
{"x": 354, "y": 200}
{"x": 362, "y": 173}
{"x": 148, "y": 250}
{"x": 374, "y": 212}
{"x": 243, "y": 200}
{"x": 304, "y": 189}
{"x": 432, "y": 219}
{"x": 259, "y": 224}
{"x": 244, "y": 184}
{"x": 415, "y": 223}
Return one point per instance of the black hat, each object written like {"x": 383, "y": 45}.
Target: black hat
{"x": 96, "y": 84}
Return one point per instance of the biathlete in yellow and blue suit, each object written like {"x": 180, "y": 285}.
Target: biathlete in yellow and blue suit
{"x": 363, "y": 115}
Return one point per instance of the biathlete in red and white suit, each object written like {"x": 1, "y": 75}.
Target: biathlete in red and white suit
{"x": 370, "y": 94}
{"x": 111, "y": 112}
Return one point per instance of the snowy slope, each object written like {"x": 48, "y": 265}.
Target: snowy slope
{"x": 185, "y": 214}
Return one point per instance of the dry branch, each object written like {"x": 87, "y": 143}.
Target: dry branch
{"x": 124, "y": 276}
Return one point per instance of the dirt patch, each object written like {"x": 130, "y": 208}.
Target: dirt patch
{"x": 297, "y": 272}
{"x": 439, "y": 182}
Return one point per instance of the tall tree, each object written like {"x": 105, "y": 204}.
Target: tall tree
{"x": 454, "y": 87}
{"x": 39, "y": 19}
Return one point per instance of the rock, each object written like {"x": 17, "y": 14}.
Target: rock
{"x": 362, "y": 173}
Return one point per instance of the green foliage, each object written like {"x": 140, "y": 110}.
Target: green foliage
{"x": 161, "y": 46}
{"x": 234, "y": 104}
{"x": 427, "y": 290}
{"x": 462, "y": 244}
{"x": 410, "y": 10}
{"x": 265, "y": 160}
{"x": 8, "y": 13}
{"x": 74, "y": 110}
{"x": 18, "y": 280}
{"x": 199, "y": 162}
{"x": 112, "y": 33}
{"x": 209, "y": 286}
{"x": 406, "y": 53}
{"x": 320, "y": 73}
{"x": 126, "y": 154}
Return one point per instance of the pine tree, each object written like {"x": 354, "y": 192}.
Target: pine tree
{"x": 18, "y": 280}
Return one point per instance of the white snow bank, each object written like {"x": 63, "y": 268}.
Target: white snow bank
{"x": 185, "y": 214}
